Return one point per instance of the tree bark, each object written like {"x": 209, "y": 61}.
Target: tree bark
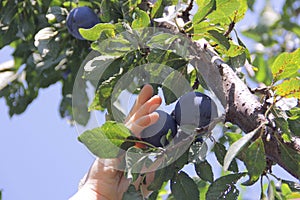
{"x": 242, "y": 107}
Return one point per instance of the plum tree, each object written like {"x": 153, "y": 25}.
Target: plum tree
{"x": 156, "y": 134}
{"x": 81, "y": 17}
{"x": 256, "y": 81}
{"x": 195, "y": 108}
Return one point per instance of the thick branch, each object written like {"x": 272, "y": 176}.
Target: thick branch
{"x": 242, "y": 107}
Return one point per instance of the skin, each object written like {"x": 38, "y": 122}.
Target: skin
{"x": 104, "y": 181}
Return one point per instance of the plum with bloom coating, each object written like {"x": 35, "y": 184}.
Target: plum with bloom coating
{"x": 195, "y": 108}
{"x": 156, "y": 133}
{"x": 81, "y": 17}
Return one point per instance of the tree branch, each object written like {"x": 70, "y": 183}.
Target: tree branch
{"x": 242, "y": 107}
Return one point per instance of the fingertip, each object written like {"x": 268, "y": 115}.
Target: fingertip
{"x": 154, "y": 103}
{"x": 148, "y": 86}
{"x": 153, "y": 118}
{"x": 157, "y": 98}
{"x": 147, "y": 89}
{"x": 145, "y": 94}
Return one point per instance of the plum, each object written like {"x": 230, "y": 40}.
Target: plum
{"x": 156, "y": 133}
{"x": 81, "y": 17}
{"x": 195, "y": 108}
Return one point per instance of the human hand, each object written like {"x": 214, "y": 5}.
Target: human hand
{"x": 142, "y": 114}
{"x": 104, "y": 181}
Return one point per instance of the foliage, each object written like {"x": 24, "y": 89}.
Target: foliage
{"x": 45, "y": 53}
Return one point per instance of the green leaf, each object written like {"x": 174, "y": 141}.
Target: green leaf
{"x": 255, "y": 161}
{"x": 167, "y": 58}
{"x": 220, "y": 38}
{"x": 284, "y": 127}
{"x": 294, "y": 124}
{"x": 294, "y": 187}
{"x": 132, "y": 193}
{"x": 184, "y": 187}
{"x": 94, "y": 33}
{"x": 289, "y": 88}
{"x": 158, "y": 180}
{"x": 153, "y": 195}
{"x": 159, "y": 5}
{"x": 290, "y": 158}
{"x": 69, "y": 4}
{"x": 162, "y": 175}
{"x": 45, "y": 43}
{"x": 204, "y": 171}
{"x": 224, "y": 9}
{"x": 220, "y": 152}
{"x": 97, "y": 68}
{"x": 136, "y": 159}
{"x": 293, "y": 195}
{"x": 237, "y": 61}
{"x": 95, "y": 103}
{"x": 202, "y": 186}
{"x": 134, "y": 3}
{"x": 157, "y": 9}
{"x": 257, "y": 32}
{"x": 204, "y": 8}
{"x": 263, "y": 73}
{"x": 9, "y": 10}
{"x": 294, "y": 113}
{"x": 224, "y": 187}
{"x": 105, "y": 141}
{"x": 271, "y": 191}
{"x": 111, "y": 10}
{"x": 194, "y": 76}
{"x": 235, "y": 50}
{"x": 251, "y": 4}
{"x": 76, "y": 104}
{"x": 79, "y": 104}
{"x": 182, "y": 160}
{"x": 158, "y": 194}
{"x": 232, "y": 137}
{"x": 174, "y": 83}
{"x": 142, "y": 19}
{"x": 56, "y": 14}
{"x": 247, "y": 53}
{"x": 198, "y": 152}
{"x": 291, "y": 26}
{"x": 228, "y": 10}
{"x": 236, "y": 147}
{"x": 285, "y": 189}
{"x": 201, "y": 29}
{"x": 162, "y": 41}
{"x": 286, "y": 65}
{"x": 104, "y": 72}
{"x": 117, "y": 46}
{"x": 240, "y": 13}
{"x": 288, "y": 190}
{"x": 17, "y": 97}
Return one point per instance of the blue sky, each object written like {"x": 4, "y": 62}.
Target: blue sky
{"x": 41, "y": 157}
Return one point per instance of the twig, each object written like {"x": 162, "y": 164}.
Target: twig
{"x": 186, "y": 14}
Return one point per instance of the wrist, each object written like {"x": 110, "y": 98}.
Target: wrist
{"x": 87, "y": 193}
